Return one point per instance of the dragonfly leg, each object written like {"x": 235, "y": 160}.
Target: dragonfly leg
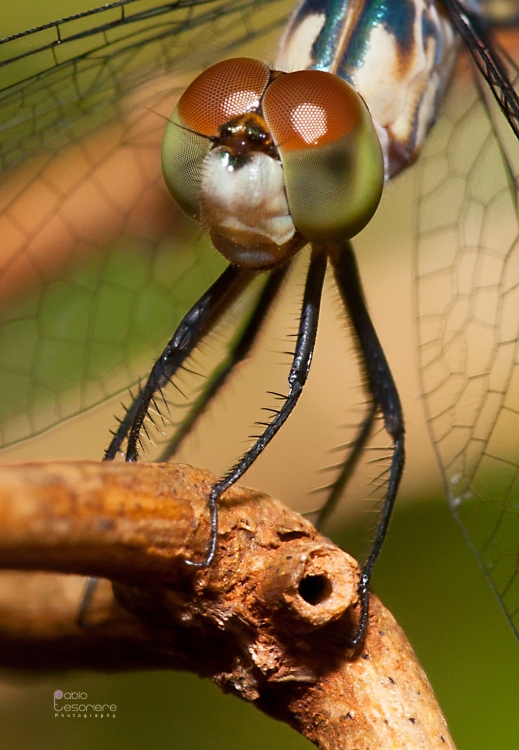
{"x": 384, "y": 391}
{"x": 86, "y": 601}
{"x": 193, "y": 327}
{"x": 299, "y": 370}
{"x": 348, "y": 465}
{"x": 191, "y": 330}
{"x": 239, "y": 349}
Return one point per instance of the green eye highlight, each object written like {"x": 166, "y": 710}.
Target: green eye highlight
{"x": 183, "y": 153}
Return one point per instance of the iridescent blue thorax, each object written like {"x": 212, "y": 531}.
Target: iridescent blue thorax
{"x": 398, "y": 54}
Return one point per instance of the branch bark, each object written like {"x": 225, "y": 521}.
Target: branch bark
{"x": 269, "y": 621}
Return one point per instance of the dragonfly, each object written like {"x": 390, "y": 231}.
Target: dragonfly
{"x": 63, "y": 349}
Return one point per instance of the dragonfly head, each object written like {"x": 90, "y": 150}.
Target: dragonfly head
{"x": 269, "y": 161}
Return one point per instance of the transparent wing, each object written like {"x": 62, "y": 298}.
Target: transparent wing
{"x": 468, "y": 323}
{"x": 96, "y": 265}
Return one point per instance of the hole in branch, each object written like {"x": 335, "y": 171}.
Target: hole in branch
{"x": 315, "y": 589}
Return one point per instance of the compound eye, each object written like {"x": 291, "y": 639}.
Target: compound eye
{"x": 229, "y": 88}
{"x": 330, "y": 152}
{"x": 225, "y": 90}
{"x": 310, "y": 108}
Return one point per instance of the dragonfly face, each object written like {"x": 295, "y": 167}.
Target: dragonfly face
{"x": 252, "y": 191}
{"x": 341, "y": 38}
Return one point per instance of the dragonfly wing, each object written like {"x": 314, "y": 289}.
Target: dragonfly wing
{"x": 97, "y": 266}
{"x": 63, "y": 79}
{"x": 468, "y": 322}
{"x": 492, "y": 62}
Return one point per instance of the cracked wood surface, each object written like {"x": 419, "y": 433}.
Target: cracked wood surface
{"x": 268, "y": 621}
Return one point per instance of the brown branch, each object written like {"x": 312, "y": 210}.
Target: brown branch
{"x": 268, "y": 621}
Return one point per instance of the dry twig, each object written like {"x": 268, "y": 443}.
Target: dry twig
{"x": 268, "y": 621}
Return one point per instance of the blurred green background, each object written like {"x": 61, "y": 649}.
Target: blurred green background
{"x": 426, "y": 575}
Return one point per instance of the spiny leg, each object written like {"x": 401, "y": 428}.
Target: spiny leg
{"x": 383, "y": 388}
{"x": 191, "y": 330}
{"x": 239, "y": 350}
{"x": 297, "y": 378}
{"x": 348, "y": 465}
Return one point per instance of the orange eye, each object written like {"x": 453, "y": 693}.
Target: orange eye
{"x": 330, "y": 152}
{"x": 310, "y": 108}
{"x": 227, "y": 89}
